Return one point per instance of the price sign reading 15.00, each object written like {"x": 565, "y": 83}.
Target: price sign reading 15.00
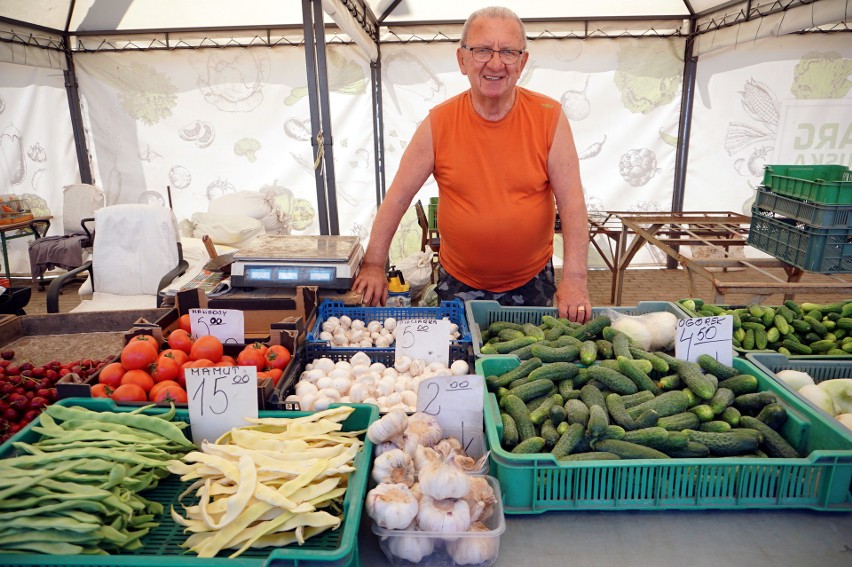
{"x": 705, "y": 335}
{"x": 423, "y": 339}
{"x": 220, "y": 397}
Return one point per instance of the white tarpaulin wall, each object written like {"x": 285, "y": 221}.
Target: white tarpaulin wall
{"x": 209, "y": 121}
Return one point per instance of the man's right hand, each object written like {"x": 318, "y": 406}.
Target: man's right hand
{"x": 372, "y": 284}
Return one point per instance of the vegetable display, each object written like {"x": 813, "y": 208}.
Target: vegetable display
{"x": 77, "y": 489}
{"x": 344, "y": 331}
{"x": 791, "y": 328}
{"x": 833, "y": 396}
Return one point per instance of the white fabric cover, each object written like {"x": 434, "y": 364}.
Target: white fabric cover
{"x": 135, "y": 246}
{"x": 229, "y": 229}
{"x": 254, "y": 204}
{"x": 79, "y": 201}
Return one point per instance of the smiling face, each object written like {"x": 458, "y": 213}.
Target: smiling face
{"x": 492, "y": 80}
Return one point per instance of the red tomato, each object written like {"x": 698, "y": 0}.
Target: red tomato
{"x": 165, "y": 368}
{"x": 174, "y": 394}
{"x": 111, "y": 374}
{"x": 184, "y": 323}
{"x": 277, "y": 356}
{"x": 251, "y": 356}
{"x": 208, "y": 347}
{"x": 200, "y": 363}
{"x": 228, "y": 360}
{"x": 101, "y": 390}
{"x": 140, "y": 378}
{"x": 180, "y": 339}
{"x": 178, "y": 355}
{"x": 138, "y": 354}
{"x": 129, "y": 393}
{"x": 160, "y": 385}
{"x": 275, "y": 374}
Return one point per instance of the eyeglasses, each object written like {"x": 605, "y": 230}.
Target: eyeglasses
{"x": 484, "y": 54}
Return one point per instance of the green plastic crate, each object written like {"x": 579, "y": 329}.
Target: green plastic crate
{"x": 481, "y": 313}
{"x": 824, "y": 184}
{"x": 820, "y": 370}
{"x": 161, "y": 547}
{"x": 433, "y": 213}
{"x": 538, "y": 483}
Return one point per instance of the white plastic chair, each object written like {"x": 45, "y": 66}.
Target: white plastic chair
{"x": 136, "y": 253}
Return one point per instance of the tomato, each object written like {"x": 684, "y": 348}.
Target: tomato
{"x": 208, "y": 347}
{"x": 180, "y": 339}
{"x": 101, "y": 390}
{"x": 178, "y": 355}
{"x": 275, "y": 374}
{"x": 138, "y": 354}
{"x": 160, "y": 385}
{"x": 165, "y": 368}
{"x": 146, "y": 338}
{"x": 251, "y": 356}
{"x": 277, "y": 356}
{"x": 257, "y": 346}
{"x": 184, "y": 323}
{"x": 200, "y": 363}
{"x": 138, "y": 377}
{"x": 129, "y": 393}
{"x": 174, "y": 394}
{"x": 228, "y": 360}
{"x": 111, "y": 374}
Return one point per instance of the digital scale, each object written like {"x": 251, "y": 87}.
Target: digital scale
{"x": 273, "y": 260}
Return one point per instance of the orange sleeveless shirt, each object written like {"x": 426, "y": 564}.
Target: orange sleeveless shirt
{"x": 496, "y": 208}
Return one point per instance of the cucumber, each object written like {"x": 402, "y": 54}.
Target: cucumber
{"x": 692, "y": 450}
{"x": 647, "y": 418}
{"x": 740, "y": 384}
{"x": 541, "y": 413}
{"x": 692, "y": 375}
{"x": 562, "y": 428}
{"x": 507, "y": 335}
{"x": 613, "y": 432}
{"x": 772, "y": 442}
{"x": 590, "y": 456}
{"x": 576, "y": 412}
{"x": 637, "y": 398}
{"x": 549, "y": 434}
{"x": 615, "y": 381}
{"x": 679, "y": 421}
{"x": 748, "y": 340}
{"x": 567, "y": 353}
{"x": 647, "y": 436}
{"x": 517, "y": 409}
{"x": 731, "y": 415}
{"x": 592, "y": 396}
{"x": 716, "y": 368}
{"x": 508, "y": 346}
{"x": 733, "y": 442}
{"x": 670, "y": 382}
{"x": 716, "y": 426}
{"x": 605, "y": 348}
{"x": 703, "y": 411}
{"x": 556, "y": 414}
{"x": 774, "y": 415}
{"x": 657, "y": 363}
{"x": 520, "y": 371}
{"x": 782, "y": 324}
{"x": 796, "y": 347}
{"x": 639, "y": 378}
{"x": 822, "y": 346}
{"x": 533, "y": 389}
{"x": 627, "y": 450}
{"x": 531, "y": 330}
{"x": 618, "y": 412}
{"x": 523, "y": 353}
{"x": 567, "y": 391}
{"x": 667, "y": 403}
{"x": 497, "y": 326}
{"x": 510, "y": 431}
{"x": 598, "y": 422}
{"x": 723, "y": 398}
{"x": 528, "y": 446}
{"x": 753, "y": 403}
{"x": 621, "y": 346}
{"x": 555, "y": 371}
{"x": 592, "y": 329}
{"x": 568, "y": 440}
{"x": 669, "y": 359}
{"x": 588, "y": 353}
{"x": 566, "y": 340}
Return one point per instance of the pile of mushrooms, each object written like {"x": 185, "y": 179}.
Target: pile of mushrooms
{"x": 424, "y": 489}
{"x": 359, "y": 380}
{"x": 344, "y": 331}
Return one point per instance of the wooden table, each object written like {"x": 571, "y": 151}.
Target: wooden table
{"x": 722, "y": 231}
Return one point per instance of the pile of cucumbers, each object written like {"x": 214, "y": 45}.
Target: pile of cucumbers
{"x": 791, "y": 329}
{"x": 620, "y": 402}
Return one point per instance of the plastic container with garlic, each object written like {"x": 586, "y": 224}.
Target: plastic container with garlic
{"x": 366, "y": 378}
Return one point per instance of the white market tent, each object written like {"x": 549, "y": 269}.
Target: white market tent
{"x": 675, "y": 104}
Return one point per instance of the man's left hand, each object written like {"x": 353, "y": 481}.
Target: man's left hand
{"x": 572, "y": 300}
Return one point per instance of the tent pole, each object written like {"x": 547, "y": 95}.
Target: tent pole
{"x": 378, "y": 128}
{"x": 690, "y": 64}
{"x": 73, "y": 94}
{"x": 315, "y": 64}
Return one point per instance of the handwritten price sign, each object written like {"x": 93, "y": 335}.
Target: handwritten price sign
{"x": 423, "y": 339}
{"x": 456, "y": 402}
{"x": 705, "y": 335}
{"x": 220, "y": 398}
{"x": 227, "y": 325}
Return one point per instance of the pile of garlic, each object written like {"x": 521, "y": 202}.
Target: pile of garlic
{"x": 344, "y": 331}
{"x": 361, "y": 381}
{"x": 423, "y": 486}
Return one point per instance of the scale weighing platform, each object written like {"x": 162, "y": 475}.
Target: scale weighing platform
{"x": 273, "y": 260}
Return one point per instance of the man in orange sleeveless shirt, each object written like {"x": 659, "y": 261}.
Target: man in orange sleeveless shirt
{"x": 500, "y": 154}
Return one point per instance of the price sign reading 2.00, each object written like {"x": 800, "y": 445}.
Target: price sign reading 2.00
{"x": 423, "y": 339}
{"x": 457, "y": 403}
{"x": 705, "y": 335}
{"x": 220, "y": 398}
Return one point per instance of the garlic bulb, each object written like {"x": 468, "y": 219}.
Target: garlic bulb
{"x": 480, "y": 499}
{"x": 389, "y": 427}
{"x": 415, "y": 490}
{"x": 424, "y": 456}
{"x": 474, "y": 550}
{"x": 384, "y": 448}
{"x": 422, "y": 429}
{"x": 392, "y": 506}
{"x": 394, "y": 466}
{"x": 444, "y": 516}
{"x": 449, "y": 446}
{"x": 443, "y": 478}
{"x": 411, "y": 548}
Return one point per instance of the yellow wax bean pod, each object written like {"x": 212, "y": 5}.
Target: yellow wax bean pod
{"x": 211, "y": 546}
{"x": 286, "y": 538}
{"x": 237, "y": 502}
{"x": 319, "y": 519}
{"x": 316, "y": 490}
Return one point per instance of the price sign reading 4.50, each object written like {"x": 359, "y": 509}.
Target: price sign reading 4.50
{"x": 705, "y": 335}
{"x": 424, "y": 339}
{"x": 220, "y": 397}
{"x": 227, "y": 325}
